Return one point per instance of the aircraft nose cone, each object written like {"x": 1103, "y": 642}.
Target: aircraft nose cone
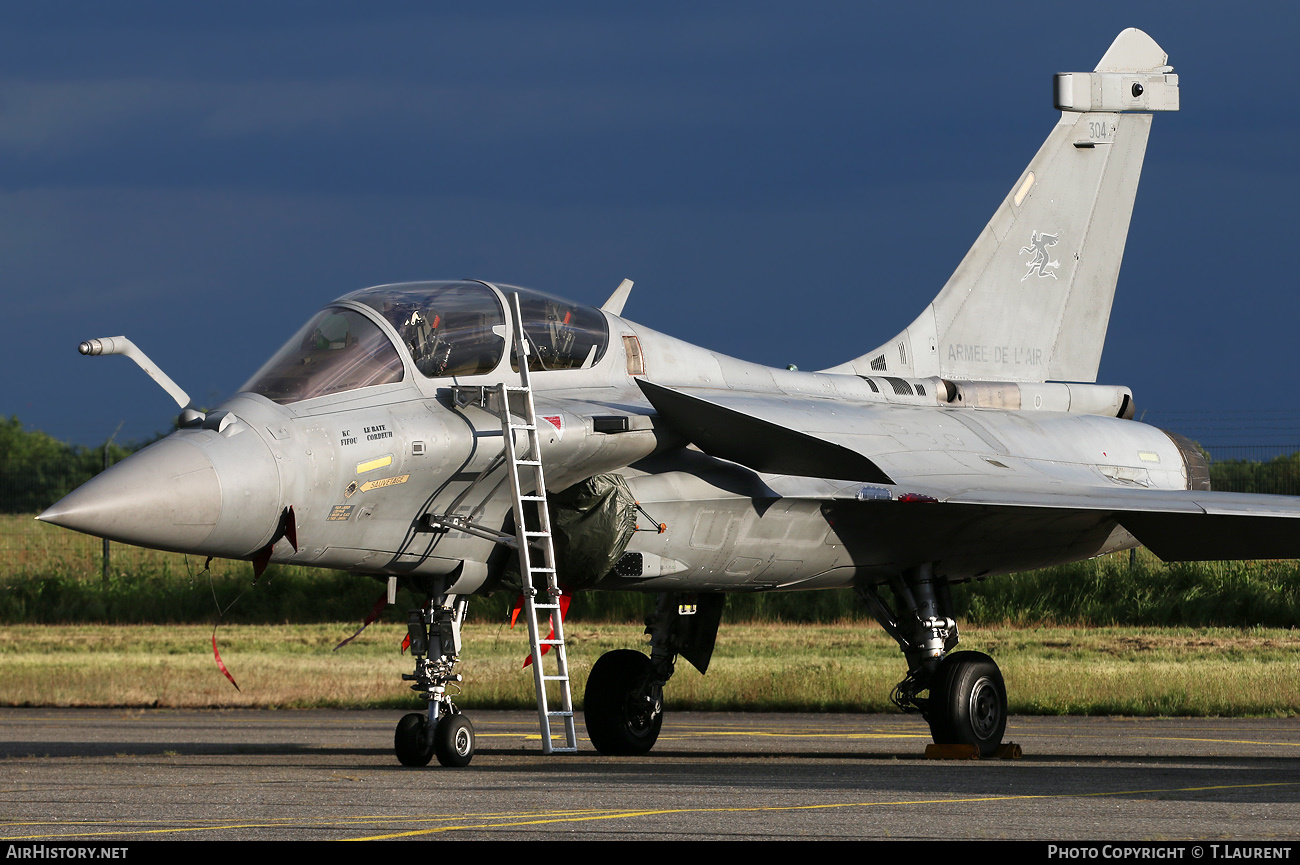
{"x": 167, "y": 496}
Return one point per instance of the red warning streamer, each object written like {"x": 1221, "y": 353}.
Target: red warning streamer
{"x": 564, "y": 611}
{"x": 220, "y": 665}
{"x": 375, "y": 612}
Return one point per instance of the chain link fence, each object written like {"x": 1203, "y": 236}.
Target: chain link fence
{"x": 30, "y": 546}
{"x": 1271, "y": 469}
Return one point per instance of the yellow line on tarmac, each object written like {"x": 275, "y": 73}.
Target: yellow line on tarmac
{"x": 622, "y": 815}
{"x": 491, "y": 821}
{"x": 673, "y": 737}
{"x": 696, "y": 734}
{"x": 148, "y": 831}
{"x": 270, "y": 824}
{"x": 1224, "y": 741}
{"x": 761, "y": 734}
{"x": 615, "y": 816}
{"x": 1034, "y": 734}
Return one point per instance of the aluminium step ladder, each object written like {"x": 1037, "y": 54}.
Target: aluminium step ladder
{"x": 524, "y": 468}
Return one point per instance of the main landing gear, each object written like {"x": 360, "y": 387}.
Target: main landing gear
{"x": 967, "y": 702}
{"x": 442, "y": 731}
{"x": 624, "y": 702}
{"x": 623, "y": 706}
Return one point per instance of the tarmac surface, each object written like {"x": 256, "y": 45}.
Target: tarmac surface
{"x": 101, "y": 776}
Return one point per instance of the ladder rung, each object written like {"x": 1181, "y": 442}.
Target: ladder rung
{"x": 520, "y": 461}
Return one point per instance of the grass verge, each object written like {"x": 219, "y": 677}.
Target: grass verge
{"x": 849, "y": 667}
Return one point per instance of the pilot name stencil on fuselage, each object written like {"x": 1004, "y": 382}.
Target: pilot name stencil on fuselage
{"x": 1003, "y": 354}
{"x": 373, "y": 432}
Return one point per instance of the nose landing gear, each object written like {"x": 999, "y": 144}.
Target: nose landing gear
{"x": 434, "y": 634}
{"x": 452, "y": 740}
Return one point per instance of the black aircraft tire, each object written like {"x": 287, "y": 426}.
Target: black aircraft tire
{"x": 453, "y": 741}
{"x": 968, "y": 702}
{"x": 619, "y": 720}
{"x": 410, "y": 742}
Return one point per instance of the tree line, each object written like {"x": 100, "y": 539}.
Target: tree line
{"x": 1280, "y": 475}
{"x": 36, "y": 469}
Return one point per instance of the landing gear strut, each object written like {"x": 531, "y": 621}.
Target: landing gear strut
{"x": 442, "y": 731}
{"x": 967, "y": 702}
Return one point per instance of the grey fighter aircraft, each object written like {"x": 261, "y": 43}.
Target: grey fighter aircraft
{"x": 460, "y": 438}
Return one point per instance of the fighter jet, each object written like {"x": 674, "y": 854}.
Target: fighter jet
{"x": 466, "y": 437}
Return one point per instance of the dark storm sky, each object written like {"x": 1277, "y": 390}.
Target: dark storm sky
{"x": 786, "y": 183}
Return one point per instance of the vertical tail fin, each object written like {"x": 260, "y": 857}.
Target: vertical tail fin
{"x": 1031, "y": 299}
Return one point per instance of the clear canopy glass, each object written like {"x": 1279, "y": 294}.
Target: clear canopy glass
{"x": 450, "y": 328}
{"x": 563, "y": 334}
{"x": 337, "y": 350}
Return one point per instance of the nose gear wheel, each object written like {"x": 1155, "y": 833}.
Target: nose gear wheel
{"x": 453, "y": 740}
{"x": 411, "y": 741}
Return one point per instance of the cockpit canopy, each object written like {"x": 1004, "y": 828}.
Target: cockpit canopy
{"x": 562, "y": 334}
{"x": 450, "y": 329}
{"x": 337, "y": 350}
